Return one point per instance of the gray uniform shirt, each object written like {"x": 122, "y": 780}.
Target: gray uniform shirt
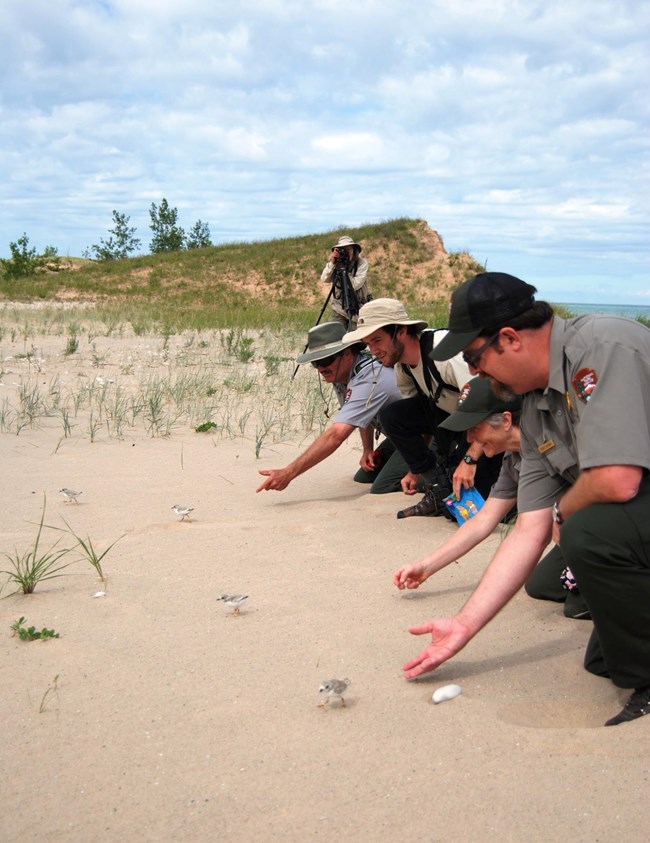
{"x": 595, "y": 410}
{"x": 508, "y": 480}
{"x": 369, "y": 388}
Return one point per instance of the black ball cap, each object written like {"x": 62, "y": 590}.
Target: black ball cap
{"x": 481, "y": 305}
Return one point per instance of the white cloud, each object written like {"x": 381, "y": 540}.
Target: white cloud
{"x": 519, "y": 130}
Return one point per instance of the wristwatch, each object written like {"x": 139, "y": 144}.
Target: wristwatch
{"x": 469, "y": 460}
{"x": 557, "y": 515}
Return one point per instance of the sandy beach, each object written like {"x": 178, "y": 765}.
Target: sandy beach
{"x": 171, "y": 719}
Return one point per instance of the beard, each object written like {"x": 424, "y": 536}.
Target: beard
{"x": 394, "y": 355}
{"x": 502, "y": 390}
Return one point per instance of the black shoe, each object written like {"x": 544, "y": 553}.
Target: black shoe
{"x": 433, "y": 503}
{"x": 575, "y": 607}
{"x": 637, "y": 706}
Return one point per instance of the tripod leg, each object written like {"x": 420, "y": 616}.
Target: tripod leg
{"x": 317, "y": 322}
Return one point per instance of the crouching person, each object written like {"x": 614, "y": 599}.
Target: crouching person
{"x": 362, "y": 387}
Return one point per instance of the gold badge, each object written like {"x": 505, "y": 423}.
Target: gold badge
{"x": 547, "y": 445}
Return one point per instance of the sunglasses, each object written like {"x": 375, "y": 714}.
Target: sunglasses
{"x": 324, "y": 362}
{"x": 473, "y": 358}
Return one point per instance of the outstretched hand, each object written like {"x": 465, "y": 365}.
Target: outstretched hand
{"x": 410, "y": 576}
{"x": 277, "y": 479}
{"x": 448, "y": 637}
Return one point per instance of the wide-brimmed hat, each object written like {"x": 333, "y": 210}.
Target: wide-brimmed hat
{"x": 324, "y": 340}
{"x": 377, "y": 314}
{"x": 346, "y": 240}
{"x": 477, "y": 401}
{"x": 482, "y": 305}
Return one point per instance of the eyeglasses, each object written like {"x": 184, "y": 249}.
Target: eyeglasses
{"x": 473, "y": 358}
{"x": 324, "y": 362}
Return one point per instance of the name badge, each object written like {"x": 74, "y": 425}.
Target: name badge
{"x": 546, "y": 446}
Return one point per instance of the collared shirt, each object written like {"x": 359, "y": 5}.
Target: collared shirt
{"x": 369, "y": 388}
{"x": 453, "y": 371}
{"x": 595, "y": 410}
{"x": 507, "y": 482}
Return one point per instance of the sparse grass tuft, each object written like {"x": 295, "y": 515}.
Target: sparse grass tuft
{"x": 34, "y": 565}
{"x": 89, "y": 554}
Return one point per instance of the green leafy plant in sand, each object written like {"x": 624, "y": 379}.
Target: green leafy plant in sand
{"x": 205, "y": 427}
{"x": 30, "y": 633}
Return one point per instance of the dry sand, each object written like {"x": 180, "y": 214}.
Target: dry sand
{"x": 173, "y": 720}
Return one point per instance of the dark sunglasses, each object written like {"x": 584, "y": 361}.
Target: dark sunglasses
{"x": 473, "y": 358}
{"x": 324, "y": 362}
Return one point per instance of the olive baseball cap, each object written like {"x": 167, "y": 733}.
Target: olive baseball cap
{"x": 482, "y": 305}
{"x": 477, "y": 401}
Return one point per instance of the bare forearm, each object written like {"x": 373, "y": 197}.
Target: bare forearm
{"x": 508, "y": 570}
{"x": 603, "y": 484}
{"x": 470, "y": 534}
{"x": 475, "y": 451}
{"x": 320, "y": 449}
{"x": 366, "y": 434}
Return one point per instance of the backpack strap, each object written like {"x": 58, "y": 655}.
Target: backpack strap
{"x": 430, "y": 369}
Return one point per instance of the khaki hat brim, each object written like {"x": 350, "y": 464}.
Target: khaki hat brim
{"x": 359, "y": 334}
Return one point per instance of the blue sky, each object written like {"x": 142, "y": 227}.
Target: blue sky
{"x": 517, "y": 129}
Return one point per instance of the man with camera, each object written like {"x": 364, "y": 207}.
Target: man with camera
{"x": 347, "y": 272}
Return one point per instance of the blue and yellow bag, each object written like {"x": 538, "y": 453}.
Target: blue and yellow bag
{"x": 467, "y": 507}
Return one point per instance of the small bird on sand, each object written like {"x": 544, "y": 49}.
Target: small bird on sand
{"x": 70, "y": 495}
{"x": 334, "y": 688}
{"x": 234, "y": 600}
{"x": 183, "y": 511}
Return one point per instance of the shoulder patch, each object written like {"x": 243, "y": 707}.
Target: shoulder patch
{"x": 348, "y": 395}
{"x": 584, "y": 383}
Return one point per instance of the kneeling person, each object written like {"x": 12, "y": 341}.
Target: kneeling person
{"x": 362, "y": 387}
{"x": 493, "y": 422}
{"x": 428, "y": 396}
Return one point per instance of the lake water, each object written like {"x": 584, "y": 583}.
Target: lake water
{"x": 629, "y": 310}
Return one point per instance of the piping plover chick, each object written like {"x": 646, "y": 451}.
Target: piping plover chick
{"x": 183, "y": 511}
{"x": 334, "y": 688}
{"x": 234, "y": 600}
{"x": 70, "y": 495}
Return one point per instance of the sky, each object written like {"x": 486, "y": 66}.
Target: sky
{"x": 517, "y": 129}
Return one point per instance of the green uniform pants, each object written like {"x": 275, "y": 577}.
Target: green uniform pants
{"x": 389, "y": 474}
{"x": 545, "y": 584}
{"x": 608, "y": 546}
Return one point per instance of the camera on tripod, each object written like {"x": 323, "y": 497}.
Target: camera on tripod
{"x": 342, "y": 257}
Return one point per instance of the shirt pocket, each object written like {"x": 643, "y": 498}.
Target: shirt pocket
{"x": 559, "y": 460}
